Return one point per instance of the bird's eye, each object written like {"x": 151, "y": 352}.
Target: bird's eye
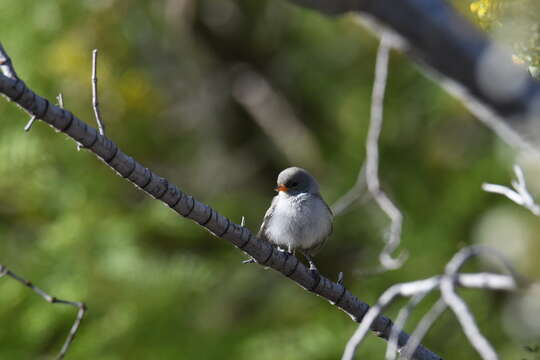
{"x": 292, "y": 184}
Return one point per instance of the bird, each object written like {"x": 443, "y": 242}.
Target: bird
{"x": 298, "y": 217}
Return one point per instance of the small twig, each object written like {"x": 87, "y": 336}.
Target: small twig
{"x": 403, "y": 316}
{"x": 422, "y": 328}
{"x": 29, "y": 124}
{"x": 520, "y": 195}
{"x": 95, "y": 99}
{"x": 458, "y": 306}
{"x": 4, "y": 271}
{"x": 6, "y": 67}
{"x": 60, "y": 99}
{"x": 372, "y": 160}
{"x": 33, "y": 119}
{"x": 460, "y": 309}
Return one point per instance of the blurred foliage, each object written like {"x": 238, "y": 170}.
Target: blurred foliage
{"x": 173, "y": 95}
{"x": 518, "y": 23}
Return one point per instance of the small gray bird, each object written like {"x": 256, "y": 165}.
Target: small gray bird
{"x": 298, "y": 218}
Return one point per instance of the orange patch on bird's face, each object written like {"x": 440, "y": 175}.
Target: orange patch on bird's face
{"x": 281, "y": 187}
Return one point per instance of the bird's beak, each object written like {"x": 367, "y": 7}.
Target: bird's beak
{"x": 281, "y": 187}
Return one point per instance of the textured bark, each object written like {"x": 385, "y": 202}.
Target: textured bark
{"x": 187, "y": 206}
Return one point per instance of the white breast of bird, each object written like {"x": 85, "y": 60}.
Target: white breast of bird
{"x": 299, "y": 222}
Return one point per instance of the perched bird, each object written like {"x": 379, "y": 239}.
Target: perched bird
{"x": 298, "y": 218}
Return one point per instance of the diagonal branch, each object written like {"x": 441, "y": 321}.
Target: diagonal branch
{"x": 187, "y": 206}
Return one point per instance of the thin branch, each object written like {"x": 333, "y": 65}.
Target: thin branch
{"x": 520, "y": 195}
{"x": 460, "y": 309}
{"x": 372, "y": 160}
{"x": 4, "y": 271}
{"x": 184, "y": 204}
{"x": 466, "y": 319}
{"x": 60, "y": 100}
{"x": 95, "y": 98}
{"x": 403, "y": 316}
{"x": 423, "y": 326}
{"x": 29, "y": 124}
{"x": 6, "y": 66}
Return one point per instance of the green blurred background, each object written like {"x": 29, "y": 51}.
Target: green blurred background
{"x": 219, "y": 96}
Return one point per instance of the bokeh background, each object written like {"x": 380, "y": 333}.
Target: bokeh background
{"x": 219, "y": 96}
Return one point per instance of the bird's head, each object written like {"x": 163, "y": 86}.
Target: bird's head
{"x": 295, "y": 180}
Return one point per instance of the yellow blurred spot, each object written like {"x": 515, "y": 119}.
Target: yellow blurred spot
{"x": 137, "y": 90}
{"x": 69, "y": 55}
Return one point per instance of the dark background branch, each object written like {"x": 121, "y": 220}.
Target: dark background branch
{"x": 437, "y": 36}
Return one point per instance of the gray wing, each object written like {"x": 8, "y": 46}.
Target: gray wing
{"x": 314, "y": 250}
{"x": 330, "y": 212}
{"x": 262, "y": 231}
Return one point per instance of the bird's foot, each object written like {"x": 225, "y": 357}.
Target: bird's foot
{"x": 314, "y": 273}
{"x": 249, "y": 261}
{"x": 288, "y": 250}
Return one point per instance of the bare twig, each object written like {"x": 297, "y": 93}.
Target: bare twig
{"x": 372, "y": 161}
{"x": 520, "y": 195}
{"x": 60, "y": 100}
{"x": 466, "y": 319}
{"x": 423, "y": 326}
{"x": 29, "y": 124}
{"x": 33, "y": 119}
{"x": 458, "y": 306}
{"x": 184, "y": 204}
{"x": 6, "y": 66}
{"x": 95, "y": 98}
{"x": 403, "y": 316}
{"x": 4, "y": 271}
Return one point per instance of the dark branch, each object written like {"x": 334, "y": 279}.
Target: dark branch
{"x": 185, "y": 205}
